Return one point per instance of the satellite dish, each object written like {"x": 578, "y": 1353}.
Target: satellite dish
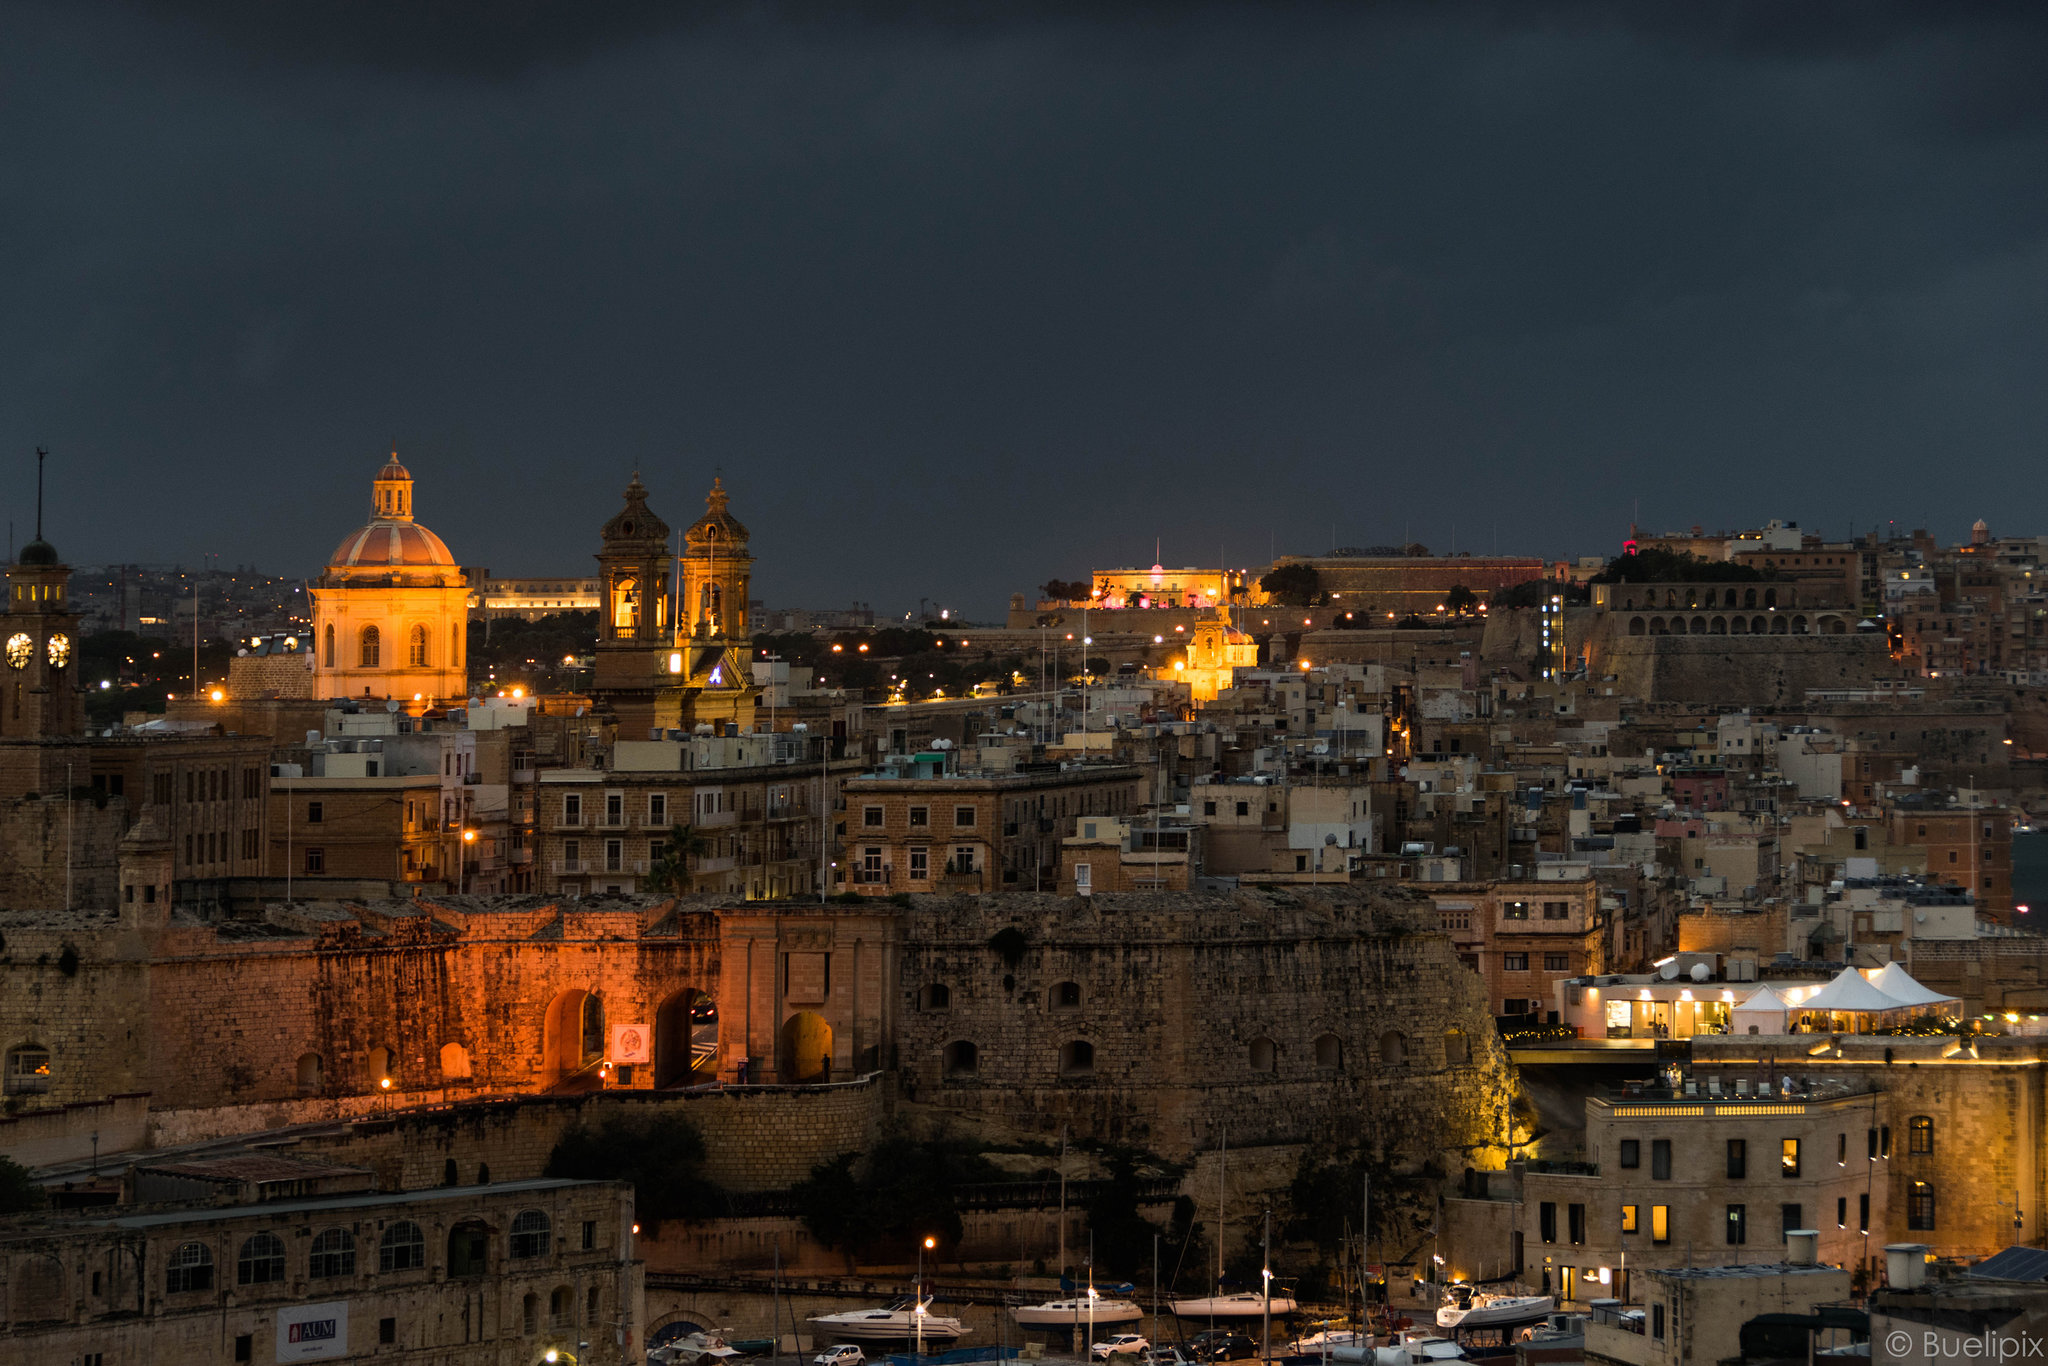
{"x": 1668, "y": 971}
{"x": 392, "y": 706}
{"x": 1701, "y": 972}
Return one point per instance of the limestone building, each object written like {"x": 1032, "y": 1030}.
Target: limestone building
{"x": 40, "y": 636}
{"x": 466, "y": 1275}
{"x": 391, "y": 610}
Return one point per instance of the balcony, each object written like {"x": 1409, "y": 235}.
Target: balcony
{"x": 570, "y": 865}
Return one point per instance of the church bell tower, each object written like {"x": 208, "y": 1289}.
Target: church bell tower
{"x": 39, "y": 642}
{"x": 633, "y": 628}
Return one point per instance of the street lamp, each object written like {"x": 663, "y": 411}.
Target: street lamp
{"x": 468, "y": 838}
{"x": 918, "y": 1297}
{"x": 384, "y": 1087}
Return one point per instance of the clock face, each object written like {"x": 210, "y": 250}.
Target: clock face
{"x": 20, "y": 650}
{"x": 60, "y": 650}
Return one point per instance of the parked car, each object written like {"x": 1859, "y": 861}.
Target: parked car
{"x": 840, "y": 1354}
{"x": 1162, "y": 1356}
{"x": 1221, "y": 1345}
{"x": 1122, "y": 1345}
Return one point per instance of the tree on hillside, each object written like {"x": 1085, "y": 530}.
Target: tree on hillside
{"x": 1654, "y": 564}
{"x": 1294, "y": 585}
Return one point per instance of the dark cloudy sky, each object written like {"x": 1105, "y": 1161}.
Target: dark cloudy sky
{"x": 960, "y": 303}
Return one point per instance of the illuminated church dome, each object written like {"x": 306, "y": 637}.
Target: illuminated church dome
{"x": 392, "y": 539}
{"x": 391, "y": 611}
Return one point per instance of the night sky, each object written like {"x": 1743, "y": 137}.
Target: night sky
{"x": 959, "y": 304}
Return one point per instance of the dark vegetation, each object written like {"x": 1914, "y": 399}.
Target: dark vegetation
{"x": 661, "y": 1154}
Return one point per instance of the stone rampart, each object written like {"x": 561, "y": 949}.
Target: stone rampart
{"x": 1761, "y": 671}
{"x": 1159, "y": 1020}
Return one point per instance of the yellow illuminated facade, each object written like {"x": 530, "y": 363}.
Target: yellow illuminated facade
{"x": 391, "y": 611}
{"x": 1215, "y": 649}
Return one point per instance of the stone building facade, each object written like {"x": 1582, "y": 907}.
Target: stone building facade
{"x": 465, "y": 1275}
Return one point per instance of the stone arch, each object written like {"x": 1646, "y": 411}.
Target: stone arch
{"x": 1329, "y": 1051}
{"x": 1833, "y": 626}
{"x": 369, "y": 647}
{"x": 1799, "y": 626}
{"x": 1678, "y": 626}
{"x": 35, "y": 1290}
{"x": 1758, "y": 626}
{"x": 311, "y": 1074}
{"x": 1777, "y": 626}
{"x": 1738, "y": 626}
{"x": 1263, "y": 1055}
{"x": 327, "y": 647}
{"x": 561, "y": 1307}
{"x": 454, "y": 1062}
{"x": 672, "y": 1326}
{"x": 1637, "y": 626}
{"x": 1729, "y": 599}
{"x": 686, "y": 1039}
{"x": 1749, "y": 597}
{"x": 804, "y": 1052}
{"x": 1657, "y": 626}
{"x": 961, "y": 1059}
{"x": 1770, "y": 597}
{"x": 1064, "y": 996}
{"x": 1699, "y": 626}
{"x": 935, "y": 996}
{"x": 1077, "y": 1058}
{"x": 190, "y": 1268}
{"x": 572, "y": 1035}
{"x": 416, "y": 647}
{"x": 377, "y": 1069}
{"x": 27, "y": 1070}
{"x": 1718, "y": 626}
{"x": 1457, "y": 1048}
{"x": 1393, "y": 1049}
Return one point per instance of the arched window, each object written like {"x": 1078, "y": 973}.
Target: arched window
{"x": 468, "y": 1249}
{"x": 1749, "y": 597}
{"x": 328, "y": 655}
{"x": 1456, "y": 1049}
{"x": 403, "y": 1248}
{"x": 937, "y": 996}
{"x": 261, "y": 1260}
{"x": 1077, "y": 1058}
{"x": 626, "y": 606}
{"x": 1329, "y": 1052}
{"x": 1635, "y": 626}
{"x": 449, "y": 1175}
{"x": 529, "y": 1313}
{"x": 1770, "y": 597}
{"x": 1920, "y": 1134}
{"x": 961, "y": 1058}
{"x": 28, "y": 1070}
{"x": 368, "y": 655}
{"x": 190, "y": 1268}
{"x": 416, "y": 647}
{"x": 1066, "y": 996}
{"x": 1263, "y": 1056}
{"x": 529, "y": 1234}
{"x": 380, "y": 1068}
{"x": 334, "y": 1254}
{"x": 454, "y": 1062}
{"x": 559, "y": 1300}
{"x": 1393, "y": 1049}
{"x": 310, "y": 1070}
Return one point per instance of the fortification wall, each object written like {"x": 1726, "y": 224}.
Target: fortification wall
{"x": 1288, "y": 1019}
{"x": 1763, "y": 671}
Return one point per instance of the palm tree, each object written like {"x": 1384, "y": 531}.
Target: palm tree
{"x": 679, "y": 852}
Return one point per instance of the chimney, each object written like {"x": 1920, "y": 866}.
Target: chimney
{"x": 1905, "y": 1265}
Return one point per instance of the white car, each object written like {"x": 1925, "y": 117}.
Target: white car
{"x": 840, "y": 1354}
{"x": 1123, "y": 1344}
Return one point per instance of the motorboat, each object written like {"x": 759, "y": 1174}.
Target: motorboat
{"x": 1078, "y": 1309}
{"x": 1469, "y": 1308}
{"x": 694, "y": 1349}
{"x": 905, "y": 1321}
{"x": 1417, "y": 1349}
{"x": 1346, "y": 1345}
{"x": 1248, "y": 1304}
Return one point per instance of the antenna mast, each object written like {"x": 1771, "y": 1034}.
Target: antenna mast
{"x": 42, "y": 454}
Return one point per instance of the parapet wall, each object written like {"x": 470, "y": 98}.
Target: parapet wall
{"x": 755, "y": 1138}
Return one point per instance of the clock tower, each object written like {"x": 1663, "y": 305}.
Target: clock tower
{"x": 38, "y": 649}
